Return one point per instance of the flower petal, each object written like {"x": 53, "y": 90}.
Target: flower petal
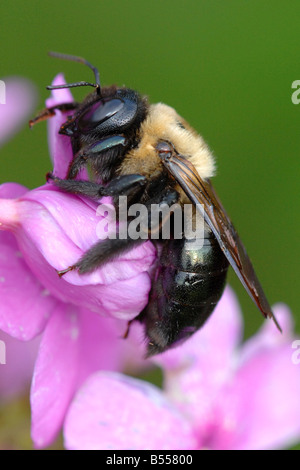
{"x": 103, "y": 346}
{"x": 268, "y": 336}
{"x": 12, "y": 190}
{"x": 25, "y": 303}
{"x": 75, "y": 344}
{"x": 60, "y": 96}
{"x": 59, "y": 145}
{"x": 113, "y": 411}
{"x": 76, "y": 220}
{"x": 55, "y": 375}
{"x": 122, "y": 299}
{"x": 20, "y": 101}
{"x": 196, "y": 371}
{"x": 17, "y": 367}
{"x": 212, "y": 346}
{"x": 261, "y": 408}
{"x": 52, "y": 237}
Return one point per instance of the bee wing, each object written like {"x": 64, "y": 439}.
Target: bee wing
{"x": 202, "y": 194}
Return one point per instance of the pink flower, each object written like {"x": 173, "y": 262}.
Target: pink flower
{"x": 45, "y": 230}
{"x": 20, "y": 100}
{"x": 217, "y": 394}
{"x": 16, "y": 366}
{"x": 16, "y": 358}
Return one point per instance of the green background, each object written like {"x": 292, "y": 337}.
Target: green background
{"x": 225, "y": 66}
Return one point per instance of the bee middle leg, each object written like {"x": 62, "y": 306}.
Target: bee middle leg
{"x": 106, "y": 250}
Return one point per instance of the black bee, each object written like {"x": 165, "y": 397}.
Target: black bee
{"x": 153, "y": 156}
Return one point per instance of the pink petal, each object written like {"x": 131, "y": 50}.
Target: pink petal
{"x": 59, "y": 96}
{"x": 196, "y": 371}
{"x": 8, "y": 207}
{"x": 103, "y": 346}
{"x": 122, "y": 299}
{"x": 214, "y": 344}
{"x": 9, "y": 218}
{"x": 134, "y": 352}
{"x": 59, "y": 145}
{"x": 17, "y": 367}
{"x": 51, "y": 238}
{"x": 20, "y": 102}
{"x": 261, "y": 408}
{"x": 268, "y": 336}
{"x": 12, "y": 190}
{"x": 25, "y": 303}
{"x": 65, "y": 217}
{"x": 55, "y": 375}
{"x": 112, "y": 411}
{"x": 76, "y": 343}
{"x": 258, "y": 408}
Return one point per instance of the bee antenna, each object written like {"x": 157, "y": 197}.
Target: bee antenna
{"x": 81, "y": 60}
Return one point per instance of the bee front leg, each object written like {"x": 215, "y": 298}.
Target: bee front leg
{"x": 50, "y": 112}
{"x": 112, "y": 145}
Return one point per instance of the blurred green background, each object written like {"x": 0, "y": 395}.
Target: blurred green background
{"x": 225, "y": 66}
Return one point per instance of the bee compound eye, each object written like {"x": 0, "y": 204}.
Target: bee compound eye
{"x": 98, "y": 113}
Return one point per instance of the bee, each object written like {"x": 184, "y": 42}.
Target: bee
{"x": 153, "y": 156}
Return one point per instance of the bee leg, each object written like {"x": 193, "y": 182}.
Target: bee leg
{"x": 108, "y": 249}
{"x": 50, "y": 112}
{"x": 126, "y": 334}
{"x": 102, "y": 152}
{"x": 65, "y": 271}
{"x": 76, "y": 164}
{"x": 101, "y": 253}
{"x": 127, "y": 185}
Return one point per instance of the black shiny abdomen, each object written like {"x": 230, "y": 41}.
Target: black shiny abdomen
{"x": 188, "y": 284}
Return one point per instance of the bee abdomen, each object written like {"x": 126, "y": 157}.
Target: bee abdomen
{"x": 191, "y": 288}
{"x": 188, "y": 284}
